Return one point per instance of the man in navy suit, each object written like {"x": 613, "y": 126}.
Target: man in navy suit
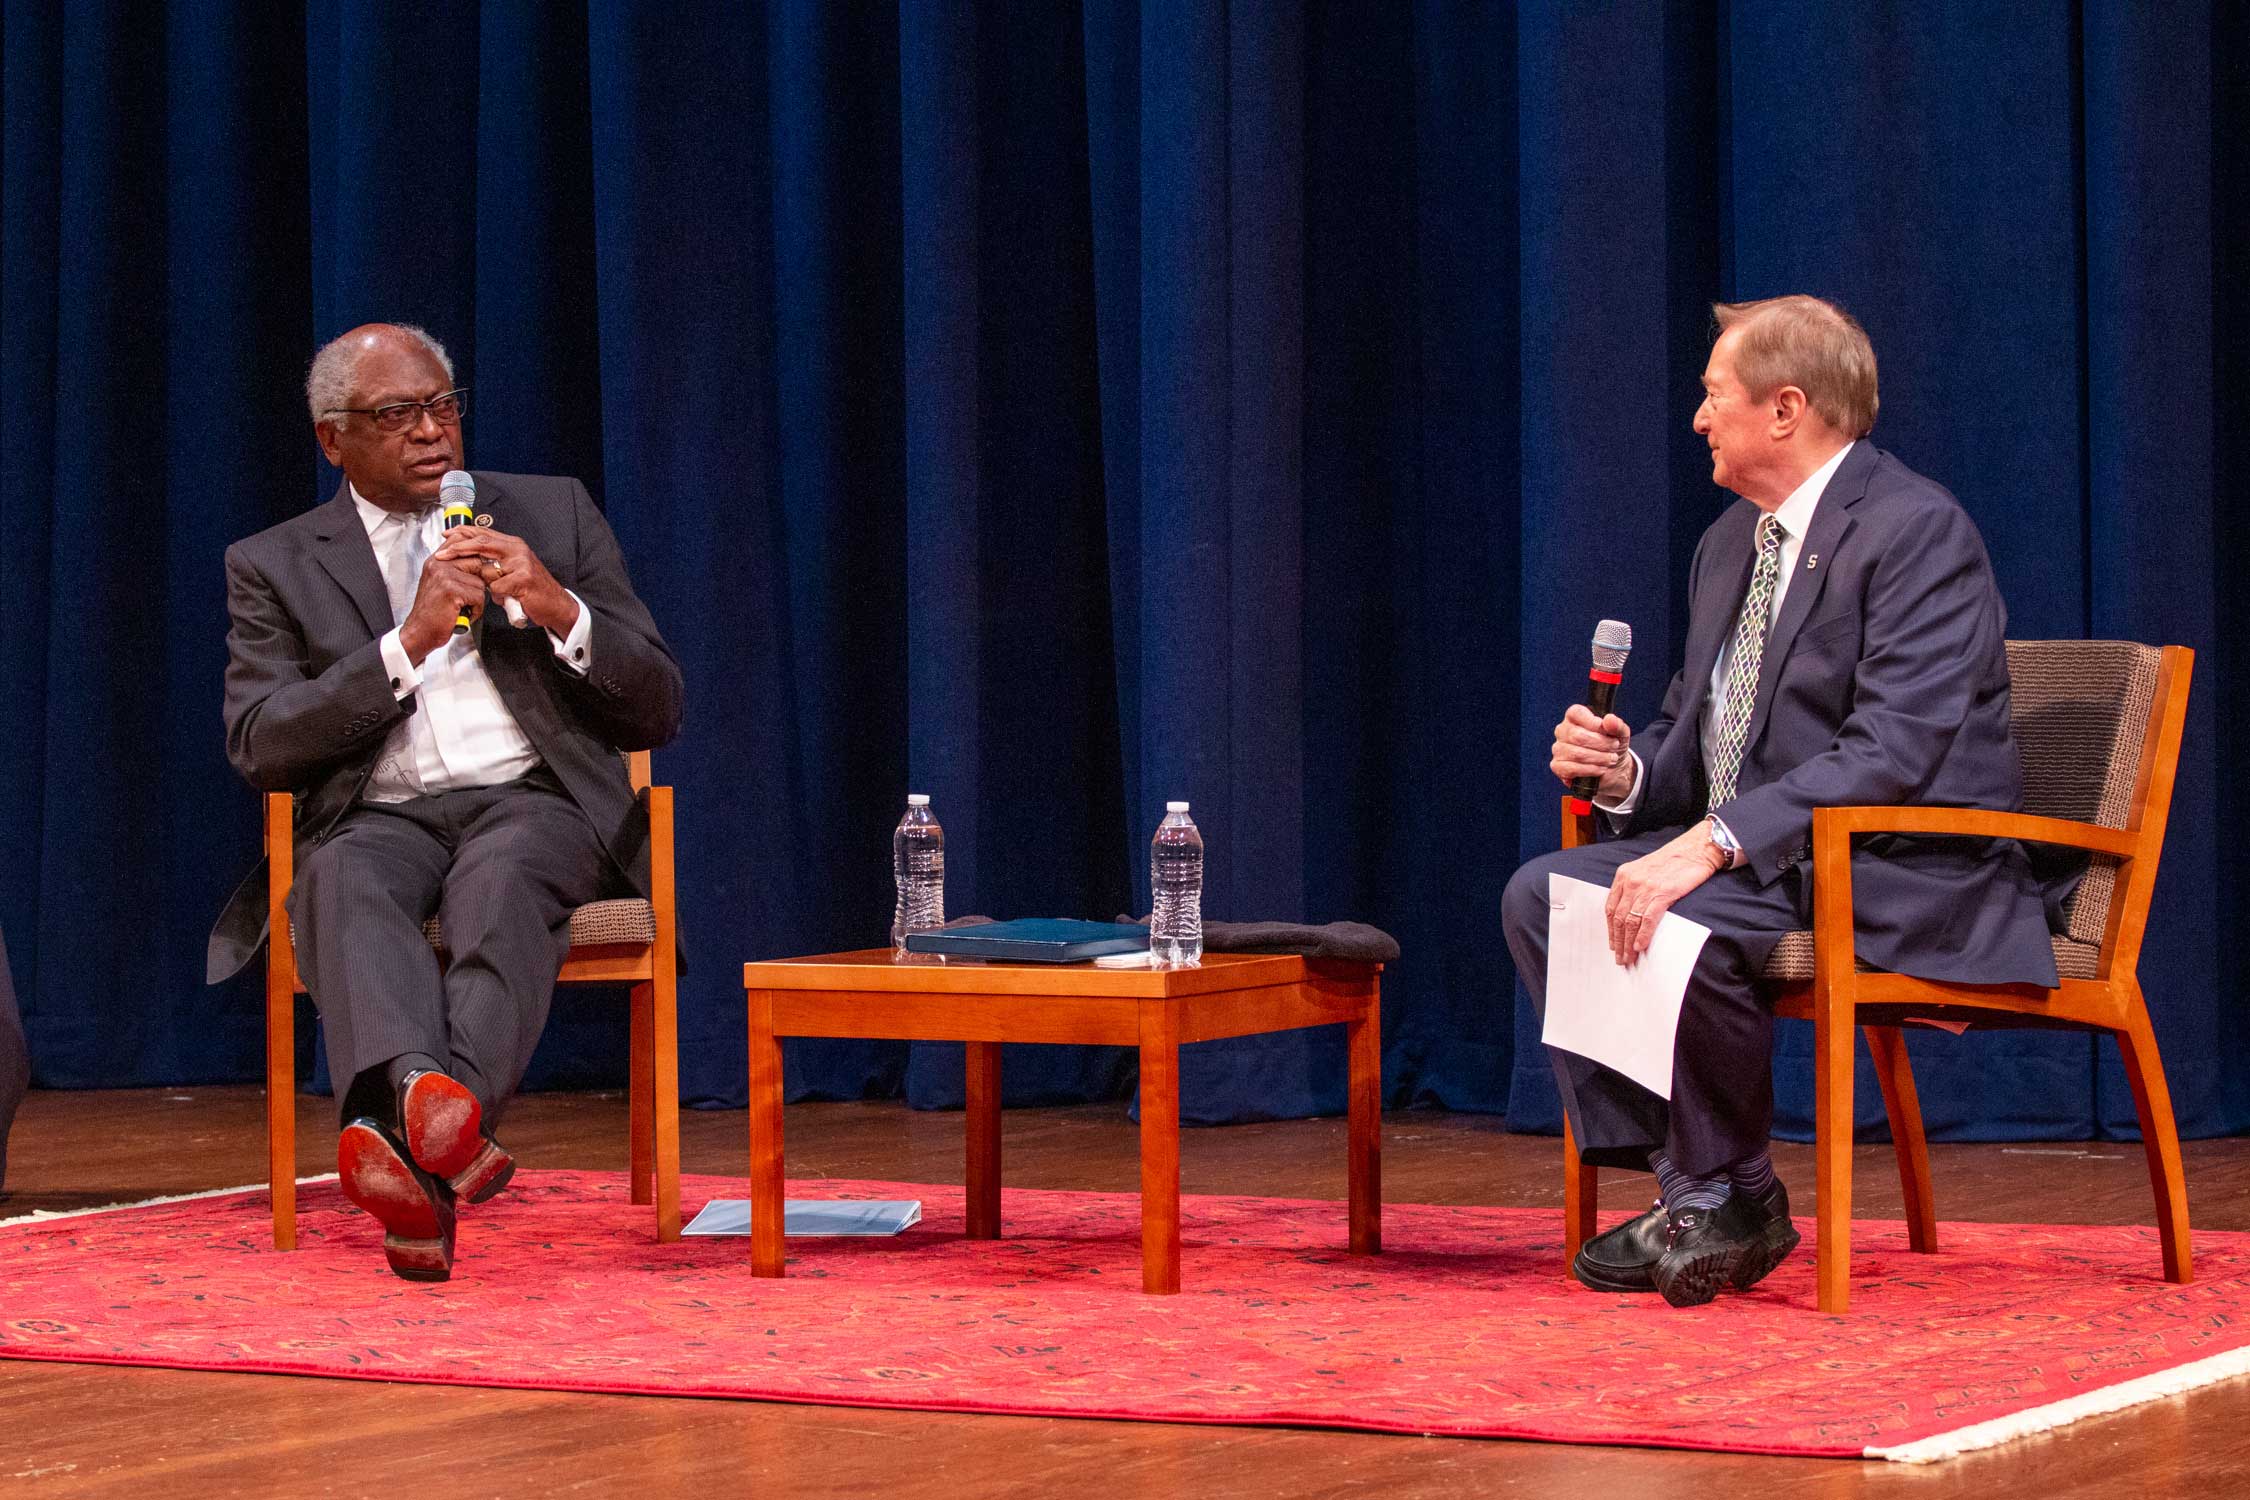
{"x": 1845, "y": 647}
{"x": 444, "y": 764}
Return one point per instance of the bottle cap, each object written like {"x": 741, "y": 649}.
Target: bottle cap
{"x": 1175, "y": 807}
{"x": 917, "y": 799}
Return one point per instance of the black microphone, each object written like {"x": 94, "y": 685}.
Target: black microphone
{"x": 1613, "y": 642}
{"x": 457, "y": 492}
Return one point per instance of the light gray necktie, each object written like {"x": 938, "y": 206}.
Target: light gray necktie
{"x": 1742, "y": 665}
{"x": 408, "y": 553}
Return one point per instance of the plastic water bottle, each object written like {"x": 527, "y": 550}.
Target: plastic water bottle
{"x": 918, "y": 865}
{"x": 1175, "y": 880}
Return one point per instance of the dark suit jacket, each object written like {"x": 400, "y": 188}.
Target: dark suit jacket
{"x": 15, "y": 1059}
{"x": 309, "y": 702}
{"x": 1884, "y": 681}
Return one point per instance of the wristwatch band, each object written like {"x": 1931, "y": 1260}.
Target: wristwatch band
{"x": 1729, "y": 850}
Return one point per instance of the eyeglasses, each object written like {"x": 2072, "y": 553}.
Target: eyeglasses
{"x": 445, "y": 410}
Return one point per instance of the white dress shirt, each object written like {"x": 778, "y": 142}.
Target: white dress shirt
{"x": 1795, "y": 517}
{"x": 462, "y": 734}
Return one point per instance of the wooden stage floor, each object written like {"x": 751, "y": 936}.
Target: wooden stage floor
{"x": 88, "y": 1430}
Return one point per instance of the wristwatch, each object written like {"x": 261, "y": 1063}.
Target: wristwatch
{"x": 1729, "y": 849}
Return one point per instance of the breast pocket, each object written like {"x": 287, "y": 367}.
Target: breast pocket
{"x": 1843, "y": 625}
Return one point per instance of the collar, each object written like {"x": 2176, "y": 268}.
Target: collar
{"x": 372, "y": 515}
{"x": 1796, "y": 512}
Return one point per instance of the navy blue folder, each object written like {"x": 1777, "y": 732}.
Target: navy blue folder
{"x": 1040, "y": 940}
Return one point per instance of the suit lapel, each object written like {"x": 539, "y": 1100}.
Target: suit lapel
{"x": 1709, "y": 627}
{"x": 1832, "y": 519}
{"x": 349, "y": 557}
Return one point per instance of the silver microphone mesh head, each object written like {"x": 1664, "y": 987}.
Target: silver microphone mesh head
{"x": 1613, "y": 642}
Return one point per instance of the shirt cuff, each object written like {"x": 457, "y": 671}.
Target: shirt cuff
{"x": 1624, "y": 805}
{"x": 405, "y": 676}
{"x": 575, "y": 651}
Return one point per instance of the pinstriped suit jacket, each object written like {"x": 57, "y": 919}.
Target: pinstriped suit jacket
{"x": 309, "y": 702}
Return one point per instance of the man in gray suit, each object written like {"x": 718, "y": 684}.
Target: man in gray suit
{"x": 1845, "y": 646}
{"x": 444, "y": 764}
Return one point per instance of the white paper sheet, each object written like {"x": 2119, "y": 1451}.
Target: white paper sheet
{"x": 1624, "y": 1019}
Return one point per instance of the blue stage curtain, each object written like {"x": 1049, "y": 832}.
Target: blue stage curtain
{"x": 1062, "y": 410}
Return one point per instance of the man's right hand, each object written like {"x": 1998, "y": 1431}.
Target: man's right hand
{"x": 449, "y": 590}
{"x": 1587, "y": 746}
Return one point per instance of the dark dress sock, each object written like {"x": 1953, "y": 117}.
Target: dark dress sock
{"x": 1682, "y": 1192}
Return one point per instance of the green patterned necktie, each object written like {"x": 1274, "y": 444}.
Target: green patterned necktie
{"x": 1742, "y": 665}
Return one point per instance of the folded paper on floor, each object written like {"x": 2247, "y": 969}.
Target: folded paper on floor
{"x": 810, "y": 1218}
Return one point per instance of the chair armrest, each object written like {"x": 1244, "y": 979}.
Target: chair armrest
{"x": 1971, "y": 822}
{"x": 1834, "y": 828}
{"x": 280, "y": 835}
{"x": 661, "y": 891}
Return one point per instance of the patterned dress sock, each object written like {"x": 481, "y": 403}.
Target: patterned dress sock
{"x": 1754, "y": 1175}
{"x": 1682, "y": 1192}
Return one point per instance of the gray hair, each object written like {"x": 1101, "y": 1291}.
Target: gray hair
{"x": 1812, "y": 344}
{"x": 328, "y": 384}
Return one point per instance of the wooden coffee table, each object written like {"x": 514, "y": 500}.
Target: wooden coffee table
{"x": 867, "y": 994}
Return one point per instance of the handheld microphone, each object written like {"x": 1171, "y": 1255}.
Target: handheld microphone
{"x": 1613, "y": 642}
{"x": 457, "y": 492}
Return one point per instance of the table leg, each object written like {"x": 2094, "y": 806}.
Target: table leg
{"x": 766, "y": 1175}
{"x": 1160, "y": 1147}
{"x": 984, "y": 1140}
{"x": 1366, "y": 1150}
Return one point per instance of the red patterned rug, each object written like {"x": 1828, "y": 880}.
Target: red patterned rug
{"x": 1464, "y": 1326}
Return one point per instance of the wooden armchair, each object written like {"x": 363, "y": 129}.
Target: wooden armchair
{"x": 2098, "y": 725}
{"x": 611, "y": 942}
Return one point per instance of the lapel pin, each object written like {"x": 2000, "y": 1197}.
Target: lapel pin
{"x": 485, "y": 519}
{"x": 1811, "y": 562}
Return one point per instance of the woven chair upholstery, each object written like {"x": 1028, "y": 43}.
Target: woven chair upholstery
{"x": 1792, "y": 959}
{"x": 2079, "y": 710}
{"x": 597, "y": 923}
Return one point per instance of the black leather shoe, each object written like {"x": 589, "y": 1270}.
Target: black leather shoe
{"x": 1624, "y": 1259}
{"x": 414, "y": 1208}
{"x": 440, "y": 1121}
{"x": 1706, "y": 1248}
{"x": 485, "y": 1175}
{"x": 1775, "y": 1241}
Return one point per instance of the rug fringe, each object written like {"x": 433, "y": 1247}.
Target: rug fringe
{"x": 2056, "y": 1414}
{"x": 40, "y": 1216}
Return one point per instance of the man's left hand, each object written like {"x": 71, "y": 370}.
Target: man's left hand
{"x": 1645, "y": 888}
{"x": 511, "y": 570}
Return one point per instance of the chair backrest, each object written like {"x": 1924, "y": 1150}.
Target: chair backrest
{"x": 2080, "y": 710}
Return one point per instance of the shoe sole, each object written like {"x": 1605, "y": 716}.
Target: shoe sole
{"x": 1698, "y": 1278}
{"x": 483, "y": 1178}
{"x": 443, "y": 1124}
{"x": 1768, "y": 1251}
{"x": 375, "y": 1179}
